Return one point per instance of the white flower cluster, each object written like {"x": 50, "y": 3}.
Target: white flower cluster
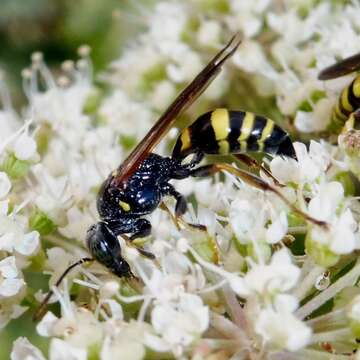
{"x": 262, "y": 282}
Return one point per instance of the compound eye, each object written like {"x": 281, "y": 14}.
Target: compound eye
{"x": 105, "y": 248}
{"x": 102, "y": 243}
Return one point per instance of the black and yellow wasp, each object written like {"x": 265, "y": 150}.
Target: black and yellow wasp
{"x": 346, "y": 113}
{"x": 137, "y": 186}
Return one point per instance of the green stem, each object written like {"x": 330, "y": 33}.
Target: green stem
{"x": 348, "y": 279}
{"x": 332, "y": 320}
{"x": 308, "y": 282}
{"x": 332, "y": 336}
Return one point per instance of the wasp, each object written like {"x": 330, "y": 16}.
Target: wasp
{"x": 137, "y": 187}
{"x": 346, "y": 113}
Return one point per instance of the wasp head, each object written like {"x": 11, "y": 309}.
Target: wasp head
{"x": 104, "y": 246}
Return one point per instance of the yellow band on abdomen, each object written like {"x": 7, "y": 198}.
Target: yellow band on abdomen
{"x": 220, "y": 122}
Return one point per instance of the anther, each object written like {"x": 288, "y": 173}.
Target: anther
{"x": 63, "y": 81}
{"x": 68, "y": 66}
{"x": 84, "y": 50}
{"x": 26, "y": 73}
{"x": 37, "y": 57}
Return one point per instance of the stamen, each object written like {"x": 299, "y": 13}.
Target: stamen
{"x": 215, "y": 287}
{"x": 68, "y": 66}
{"x": 144, "y": 307}
{"x": 86, "y": 284}
{"x": 65, "y": 309}
{"x": 5, "y": 95}
{"x": 39, "y": 72}
{"x": 131, "y": 299}
{"x": 63, "y": 81}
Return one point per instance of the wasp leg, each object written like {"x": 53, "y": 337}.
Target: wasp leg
{"x": 254, "y": 164}
{"x": 142, "y": 251}
{"x": 255, "y": 181}
{"x": 39, "y": 313}
{"x": 181, "y": 205}
{"x": 178, "y": 220}
{"x": 180, "y": 209}
{"x": 141, "y": 228}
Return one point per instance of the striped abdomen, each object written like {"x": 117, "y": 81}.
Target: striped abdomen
{"x": 348, "y": 102}
{"x": 230, "y": 132}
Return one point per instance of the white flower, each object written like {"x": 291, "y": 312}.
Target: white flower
{"x": 341, "y": 237}
{"x": 5, "y": 184}
{"x": 14, "y": 238}
{"x": 24, "y": 147}
{"x": 10, "y": 309}
{"x": 178, "y": 276}
{"x": 23, "y": 350}
{"x": 178, "y": 324}
{"x": 248, "y": 15}
{"x": 77, "y": 221}
{"x": 62, "y": 350}
{"x": 126, "y": 116}
{"x": 10, "y": 278}
{"x": 54, "y": 193}
{"x": 60, "y": 105}
{"x": 251, "y": 58}
{"x": 280, "y": 275}
{"x": 353, "y": 311}
{"x": 209, "y": 32}
{"x": 167, "y": 22}
{"x": 282, "y": 329}
{"x": 310, "y": 165}
{"x": 317, "y": 120}
{"x": 124, "y": 340}
{"x": 58, "y": 260}
{"x": 162, "y": 94}
{"x": 80, "y": 328}
{"x": 254, "y": 222}
{"x": 277, "y": 230}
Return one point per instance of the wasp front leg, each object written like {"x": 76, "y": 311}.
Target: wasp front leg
{"x": 139, "y": 228}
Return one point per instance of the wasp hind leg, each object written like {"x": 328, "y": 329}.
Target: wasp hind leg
{"x": 208, "y": 170}
{"x": 254, "y": 164}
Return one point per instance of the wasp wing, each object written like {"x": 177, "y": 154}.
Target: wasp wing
{"x": 341, "y": 68}
{"x": 166, "y": 120}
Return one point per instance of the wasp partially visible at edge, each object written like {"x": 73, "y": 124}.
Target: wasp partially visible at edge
{"x": 346, "y": 113}
{"x": 137, "y": 186}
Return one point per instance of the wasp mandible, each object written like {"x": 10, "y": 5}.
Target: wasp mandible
{"x": 138, "y": 185}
